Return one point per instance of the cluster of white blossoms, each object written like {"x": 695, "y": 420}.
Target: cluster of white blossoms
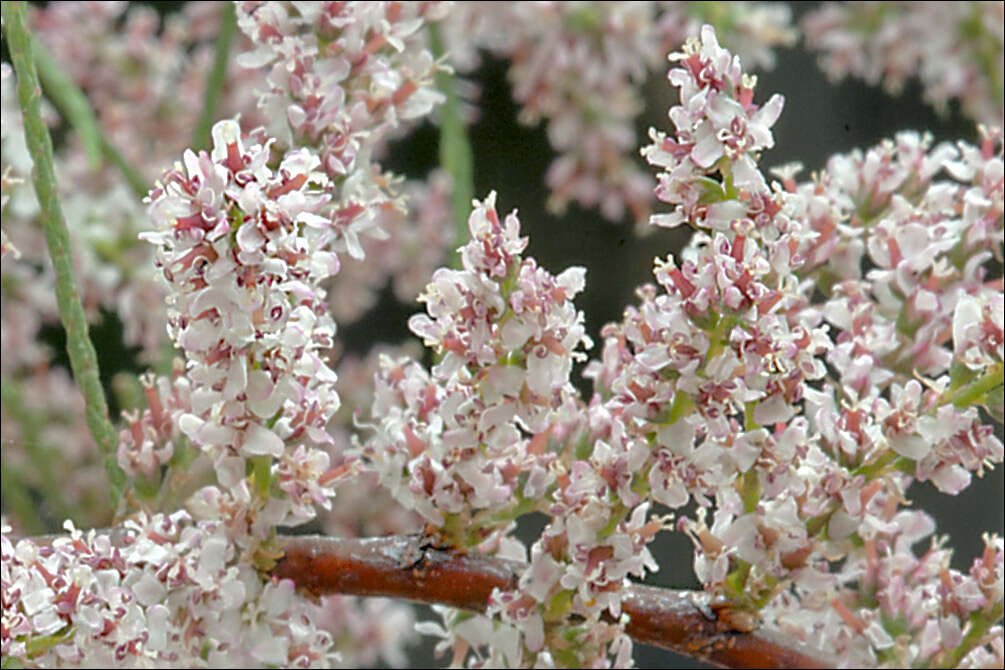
{"x": 244, "y": 252}
{"x": 805, "y": 482}
{"x": 345, "y": 78}
{"x": 342, "y": 77}
{"x": 465, "y": 444}
{"x": 158, "y": 591}
{"x": 716, "y": 389}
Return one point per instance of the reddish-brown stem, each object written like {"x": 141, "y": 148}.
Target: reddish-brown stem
{"x": 408, "y": 568}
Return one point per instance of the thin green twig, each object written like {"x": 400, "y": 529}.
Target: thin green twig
{"x": 975, "y": 391}
{"x": 74, "y": 106}
{"x": 83, "y": 359}
{"x": 216, "y": 77}
{"x": 137, "y": 182}
{"x": 455, "y": 151}
{"x": 70, "y": 100}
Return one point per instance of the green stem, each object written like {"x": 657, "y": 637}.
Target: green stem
{"x": 980, "y": 623}
{"x": 136, "y": 181}
{"x": 749, "y": 423}
{"x": 75, "y": 108}
{"x": 973, "y": 392}
{"x": 682, "y": 405}
{"x": 455, "y": 151}
{"x": 736, "y": 581}
{"x": 872, "y": 470}
{"x": 216, "y": 77}
{"x": 70, "y": 100}
{"x": 261, "y": 474}
{"x": 750, "y": 491}
{"x": 83, "y": 359}
{"x": 39, "y": 644}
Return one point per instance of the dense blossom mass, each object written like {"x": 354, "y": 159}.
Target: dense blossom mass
{"x": 454, "y": 444}
{"x": 816, "y": 352}
{"x": 243, "y": 249}
{"x": 160, "y": 590}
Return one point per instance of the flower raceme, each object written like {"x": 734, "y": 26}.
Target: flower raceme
{"x": 243, "y": 249}
{"x": 801, "y": 458}
{"x": 342, "y": 77}
{"x": 464, "y": 444}
{"x": 568, "y": 57}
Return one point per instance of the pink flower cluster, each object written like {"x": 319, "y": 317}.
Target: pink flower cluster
{"x": 342, "y": 77}
{"x": 798, "y": 472}
{"x": 159, "y": 590}
{"x": 633, "y": 444}
{"x": 465, "y": 445}
{"x": 291, "y": 486}
{"x": 717, "y": 389}
{"x": 926, "y": 307}
{"x": 672, "y": 378}
{"x": 148, "y": 443}
{"x": 716, "y": 120}
{"x": 907, "y": 609}
{"x": 243, "y": 250}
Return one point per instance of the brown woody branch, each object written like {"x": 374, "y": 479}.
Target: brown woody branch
{"x": 408, "y": 568}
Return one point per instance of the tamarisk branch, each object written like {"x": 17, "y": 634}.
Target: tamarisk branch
{"x": 408, "y": 567}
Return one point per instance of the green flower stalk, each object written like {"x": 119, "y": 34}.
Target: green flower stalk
{"x": 455, "y": 151}
{"x": 216, "y": 77}
{"x": 83, "y": 359}
{"x": 75, "y": 108}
